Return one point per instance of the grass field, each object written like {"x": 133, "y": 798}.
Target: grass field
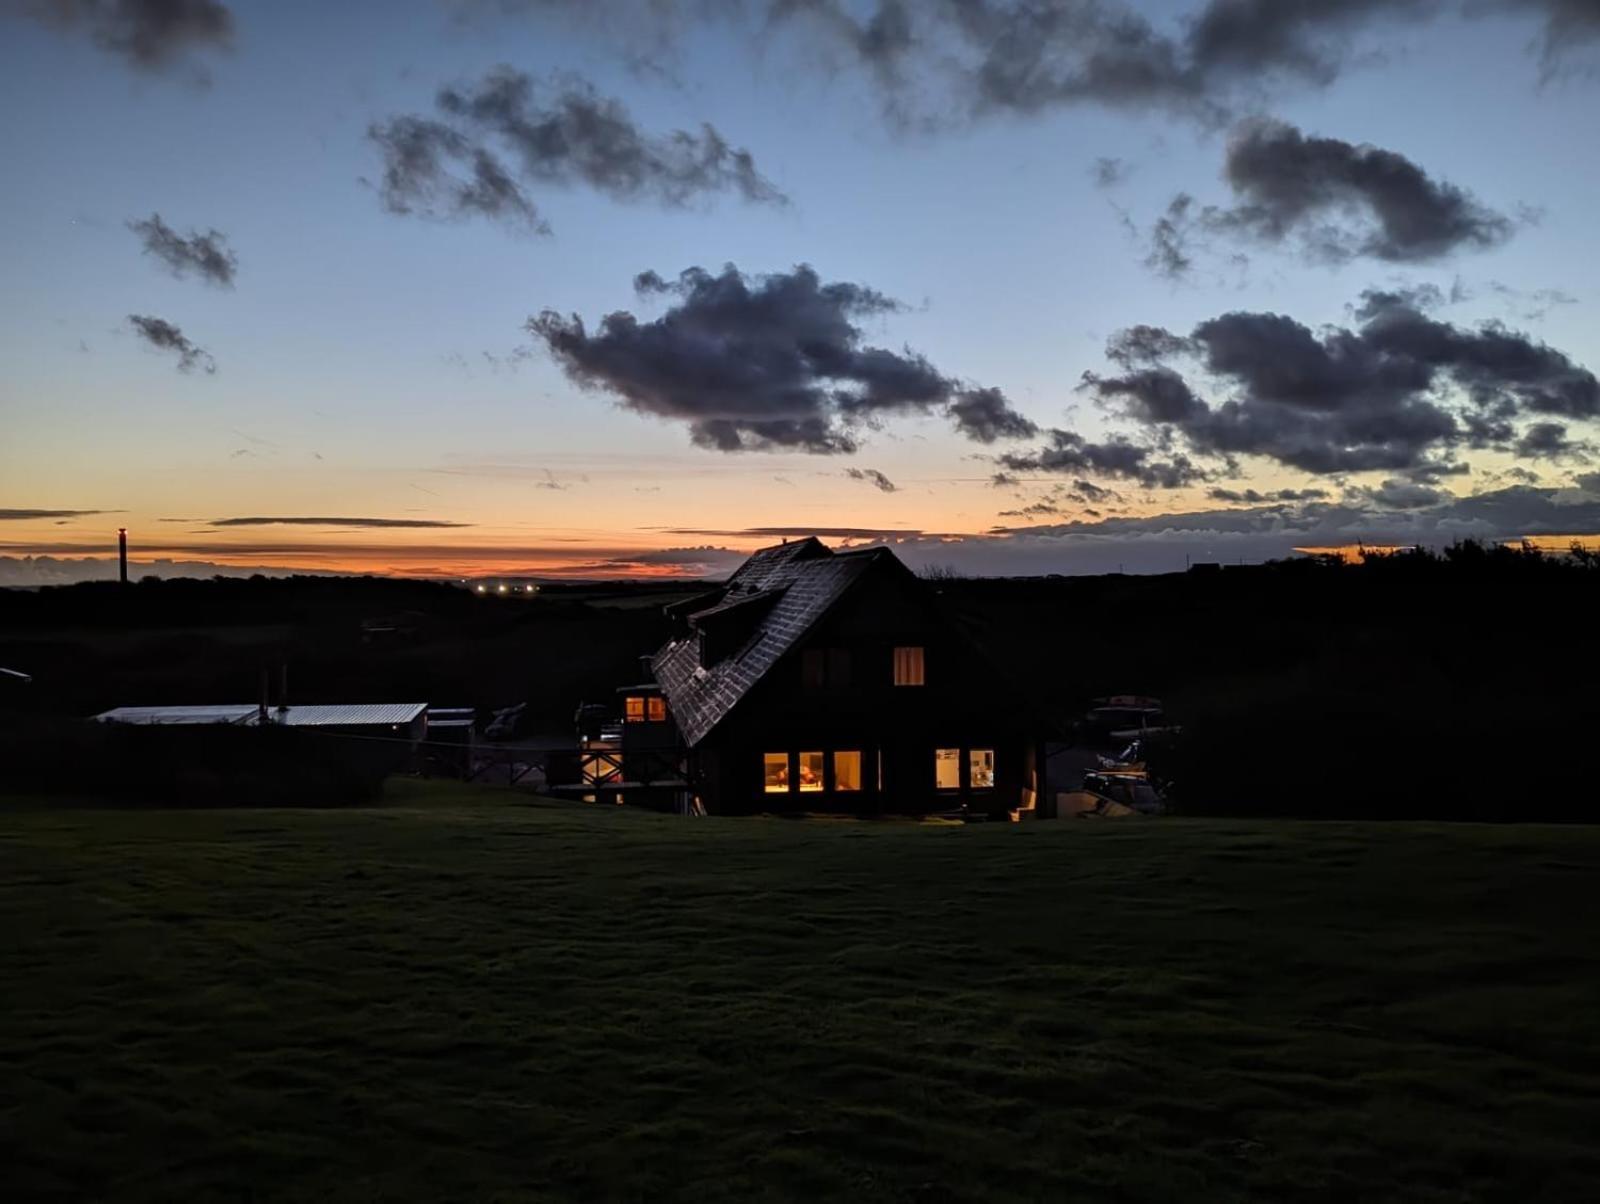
{"x": 474, "y": 999}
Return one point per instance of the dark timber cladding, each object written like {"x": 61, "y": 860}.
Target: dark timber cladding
{"x": 821, "y": 680}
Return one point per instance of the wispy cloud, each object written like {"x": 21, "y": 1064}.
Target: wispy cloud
{"x": 205, "y": 255}
{"x": 304, "y": 521}
{"x": 164, "y": 336}
{"x": 30, "y": 515}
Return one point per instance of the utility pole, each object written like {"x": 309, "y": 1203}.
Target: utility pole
{"x": 122, "y": 553}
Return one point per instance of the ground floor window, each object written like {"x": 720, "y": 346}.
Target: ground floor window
{"x": 947, "y": 768}
{"x": 982, "y": 768}
{"x": 777, "y": 772}
{"x": 847, "y": 770}
{"x": 810, "y": 771}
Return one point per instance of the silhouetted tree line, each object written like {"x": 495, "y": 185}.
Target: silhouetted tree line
{"x": 1446, "y": 684}
{"x": 94, "y": 646}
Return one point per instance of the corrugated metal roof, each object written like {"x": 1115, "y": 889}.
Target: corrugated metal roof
{"x": 358, "y": 714}
{"x": 352, "y": 714}
{"x": 806, "y": 579}
{"x": 241, "y": 713}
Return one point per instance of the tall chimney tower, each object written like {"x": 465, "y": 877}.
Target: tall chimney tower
{"x": 122, "y": 553}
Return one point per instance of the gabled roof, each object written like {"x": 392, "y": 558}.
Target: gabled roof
{"x": 797, "y": 583}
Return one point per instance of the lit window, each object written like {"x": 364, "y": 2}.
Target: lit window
{"x": 982, "y": 768}
{"x": 847, "y": 770}
{"x": 657, "y": 709}
{"x": 810, "y": 771}
{"x": 947, "y": 768}
{"x": 777, "y": 772}
{"x": 908, "y": 666}
{"x": 633, "y": 709}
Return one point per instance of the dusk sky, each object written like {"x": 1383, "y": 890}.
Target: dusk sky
{"x": 564, "y": 288}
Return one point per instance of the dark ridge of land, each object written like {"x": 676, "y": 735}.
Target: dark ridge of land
{"x": 1421, "y": 685}
{"x": 460, "y": 1000}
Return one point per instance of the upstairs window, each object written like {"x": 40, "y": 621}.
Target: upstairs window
{"x": 828, "y": 667}
{"x": 656, "y": 708}
{"x": 633, "y": 708}
{"x": 908, "y": 667}
{"x": 775, "y": 775}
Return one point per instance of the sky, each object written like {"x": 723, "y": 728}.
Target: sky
{"x": 541, "y": 287}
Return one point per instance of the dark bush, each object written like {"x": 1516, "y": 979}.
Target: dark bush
{"x": 204, "y": 766}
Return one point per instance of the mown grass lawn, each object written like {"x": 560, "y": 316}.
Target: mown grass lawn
{"x": 474, "y": 999}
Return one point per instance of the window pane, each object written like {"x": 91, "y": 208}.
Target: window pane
{"x": 947, "y": 768}
{"x": 908, "y": 666}
{"x": 838, "y": 667}
{"x": 847, "y": 771}
{"x": 777, "y": 772}
{"x": 813, "y": 663}
{"x": 658, "y": 709}
{"x": 810, "y": 771}
{"x": 633, "y": 709}
{"x": 982, "y": 768}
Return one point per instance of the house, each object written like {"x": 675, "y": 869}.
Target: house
{"x": 816, "y": 680}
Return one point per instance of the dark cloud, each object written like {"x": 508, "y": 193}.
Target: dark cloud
{"x": 1396, "y": 493}
{"x": 1400, "y": 393}
{"x": 1568, "y": 26}
{"x": 1069, "y": 451}
{"x": 1390, "y": 515}
{"x": 149, "y": 34}
{"x": 297, "y": 521}
{"x": 163, "y": 335}
{"x": 1550, "y": 441}
{"x": 986, "y": 416}
{"x": 1255, "y": 497}
{"x": 493, "y": 140}
{"x": 30, "y": 515}
{"x": 852, "y": 533}
{"x": 872, "y": 477}
{"x": 1341, "y": 200}
{"x": 760, "y": 363}
{"x": 938, "y": 62}
{"x": 207, "y": 255}
{"x": 432, "y": 170}
{"x": 1169, "y": 239}
{"x": 1108, "y": 172}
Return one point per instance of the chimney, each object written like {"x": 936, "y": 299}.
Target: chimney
{"x": 122, "y": 553}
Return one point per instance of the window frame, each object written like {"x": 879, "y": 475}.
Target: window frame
{"x": 994, "y": 760}
{"x": 822, "y": 771}
{"x": 767, "y": 759}
{"x": 833, "y": 766}
{"x": 938, "y": 759}
{"x": 631, "y": 702}
{"x": 916, "y": 655}
{"x": 655, "y": 708}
